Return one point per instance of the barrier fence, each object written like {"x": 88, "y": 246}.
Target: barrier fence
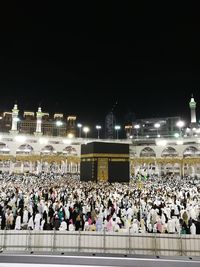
{"x": 100, "y": 242}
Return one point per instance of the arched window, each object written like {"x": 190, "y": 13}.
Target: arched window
{"x": 4, "y": 149}
{"x": 147, "y": 152}
{"x": 24, "y": 149}
{"x": 48, "y": 150}
{"x": 70, "y": 150}
{"x": 169, "y": 152}
{"x": 191, "y": 151}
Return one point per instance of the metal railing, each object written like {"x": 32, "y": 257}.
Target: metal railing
{"x": 100, "y": 242}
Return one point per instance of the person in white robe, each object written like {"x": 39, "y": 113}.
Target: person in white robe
{"x": 71, "y": 227}
{"x": 193, "y": 229}
{"x": 31, "y": 223}
{"x": 25, "y": 216}
{"x": 116, "y": 227}
{"x": 63, "y": 225}
{"x": 42, "y": 224}
{"x": 171, "y": 226}
{"x": 134, "y": 227}
{"x": 37, "y": 221}
{"x": 18, "y": 223}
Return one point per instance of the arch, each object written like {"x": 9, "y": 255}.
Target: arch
{"x": 70, "y": 150}
{"x": 24, "y": 149}
{"x": 147, "y": 152}
{"x": 191, "y": 151}
{"x": 169, "y": 152}
{"x": 177, "y": 165}
{"x": 4, "y": 149}
{"x": 48, "y": 150}
{"x": 169, "y": 168}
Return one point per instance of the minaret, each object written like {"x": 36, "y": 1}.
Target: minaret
{"x": 39, "y": 122}
{"x": 15, "y": 119}
{"x": 192, "y": 105}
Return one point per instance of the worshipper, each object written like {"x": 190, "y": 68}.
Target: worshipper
{"x": 9, "y": 220}
{"x": 42, "y": 224}
{"x": 56, "y": 222}
{"x": 71, "y": 226}
{"x": 86, "y": 226}
{"x": 99, "y": 224}
{"x": 25, "y": 216}
{"x": 37, "y": 221}
{"x": 63, "y": 225}
{"x": 31, "y": 223}
{"x": 134, "y": 229}
{"x": 193, "y": 228}
{"x": 163, "y": 204}
{"x": 18, "y": 222}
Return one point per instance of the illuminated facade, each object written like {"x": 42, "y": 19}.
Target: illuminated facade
{"x": 154, "y": 127}
{"x": 39, "y": 123}
{"x": 19, "y": 153}
{"x": 5, "y": 121}
{"x": 39, "y": 143}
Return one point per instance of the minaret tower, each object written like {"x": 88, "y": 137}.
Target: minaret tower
{"x": 15, "y": 119}
{"x": 192, "y": 105}
{"x": 39, "y": 122}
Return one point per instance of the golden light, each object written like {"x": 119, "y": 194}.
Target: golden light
{"x": 70, "y": 135}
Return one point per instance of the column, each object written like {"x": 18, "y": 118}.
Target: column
{"x": 22, "y": 167}
{"x": 71, "y": 166}
{"x": 76, "y": 167}
{"x": 12, "y": 166}
{"x": 38, "y": 168}
{"x": 30, "y": 167}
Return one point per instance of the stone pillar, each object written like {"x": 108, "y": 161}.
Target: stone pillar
{"x": 22, "y": 167}
{"x": 11, "y": 169}
{"x": 76, "y": 167}
{"x": 71, "y": 167}
{"x": 38, "y": 168}
{"x": 30, "y": 167}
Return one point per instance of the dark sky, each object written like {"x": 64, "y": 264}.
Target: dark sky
{"x": 81, "y": 59}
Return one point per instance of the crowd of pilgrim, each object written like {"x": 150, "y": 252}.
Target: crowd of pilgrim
{"x": 52, "y": 201}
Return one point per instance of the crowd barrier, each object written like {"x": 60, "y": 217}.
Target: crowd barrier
{"x": 100, "y": 242}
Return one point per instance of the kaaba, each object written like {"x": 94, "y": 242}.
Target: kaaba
{"x": 108, "y": 162}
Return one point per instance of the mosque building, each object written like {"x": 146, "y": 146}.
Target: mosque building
{"x": 34, "y": 145}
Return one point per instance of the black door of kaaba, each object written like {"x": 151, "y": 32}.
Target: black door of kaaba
{"x": 101, "y": 161}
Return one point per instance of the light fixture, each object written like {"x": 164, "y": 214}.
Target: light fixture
{"x": 161, "y": 142}
{"x": 176, "y": 135}
{"x": 70, "y": 135}
{"x": 20, "y": 138}
{"x": 59, "y": 123}
{"x": 179, "y": 142}
{"x": 98, "y": 127}
{"x": 43, "y": 141}
{"x": 86, "y": 130}
{"x": 67, "y": 141}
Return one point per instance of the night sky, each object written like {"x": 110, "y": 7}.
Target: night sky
{"x": 82, "y": 59}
